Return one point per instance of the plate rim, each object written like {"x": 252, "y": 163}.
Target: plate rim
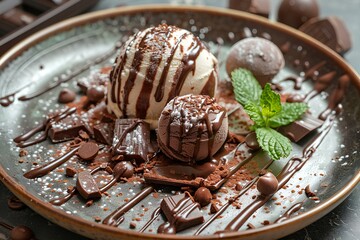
{"x": 73, "y": 223}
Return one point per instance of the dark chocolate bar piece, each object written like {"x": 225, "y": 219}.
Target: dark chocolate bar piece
{"x": 131, "y": 139}
{"x": 104, "y": 133}
{"x": 209, "y": 173}
{"x": 331, "y": 31}
{"x": 86, "y": 186}
{"x": 300, "y": 128}
{"x": 181, "y": 213}
{"x": 259, "y": 7}
{"x": 67, "y": 128}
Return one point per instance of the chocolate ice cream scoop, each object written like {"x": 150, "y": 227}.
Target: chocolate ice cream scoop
{"x": 192, "y": 128}
{"x": 262, "y": 57}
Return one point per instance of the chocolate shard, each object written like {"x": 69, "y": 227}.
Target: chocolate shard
{"x": 131, "y": 139}
{"x": 209, "y": 173}
{"x": 67, "y": 128}
{"x": 86, "y": 186}
{"x": 169, "y": 172}
{"x": 300, "y": 128}
{"x": 331, "y": 31}
{"x": 259, "y": 7}
{"x": 181, "y": 212}
{"x": 104, "y": 133}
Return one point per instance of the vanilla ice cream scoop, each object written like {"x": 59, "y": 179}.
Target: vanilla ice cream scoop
{"x": 192, "y": 128}
{"x": 153, "y": 67}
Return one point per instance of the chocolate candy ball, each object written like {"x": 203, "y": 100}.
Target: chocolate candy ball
{"x": 296, "y": 12}
{"x": 267, "y": 184}
{"x": 262, "y": 57}
{"x": 203, "y": 196}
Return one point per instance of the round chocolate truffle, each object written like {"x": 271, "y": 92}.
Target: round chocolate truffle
{"x": 296, "y": 12}
{"x": 267, "y": 184}
{"x": 21, "y": 233}
{"x": 192, "y": 128}
{"x": 66, "y": 96}
{"x": 203, "y": 196}
{"x": 259, "y": 55}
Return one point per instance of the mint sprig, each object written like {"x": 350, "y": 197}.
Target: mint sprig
{"x": 264, "y": 107}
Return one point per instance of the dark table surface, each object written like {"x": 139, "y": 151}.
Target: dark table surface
{"x": 343, "y": 223}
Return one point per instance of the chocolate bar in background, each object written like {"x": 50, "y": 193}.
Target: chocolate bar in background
{"x": 131, "y": 139}
{"x": 301, "y": 128}
{"x": 20, "y": 19}
{"x": 258, "y": 7}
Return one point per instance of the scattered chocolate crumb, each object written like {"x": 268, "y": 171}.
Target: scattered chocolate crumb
{"x": 132, "y": 225}
{"x": 315, "y": 198}
{"x": 89, "y": 203}
{"x": 308, "y": 192}
{"x": 70, "y": 189}
{"x": 84, "y": 135}
{"x": 23, "y": 152}
{"x": 278, "y": 203}
{"x": 70, "y": 171}
{"x": 106, "y": 209}
{"x": 250, "y": 226}
{"x": 97, "y": 219}
{"x": 238, "y": 187}
{"x": 214, "y": 208}
{"x": 21, "y": 160}
{"x": 155, "y": 195}
{"x": 266, "y": 222}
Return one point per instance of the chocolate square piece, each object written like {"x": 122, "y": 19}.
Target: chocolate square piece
{"x": 181, "y": 212}
{"x": 104, "y": 133}
{"x": 67, "y": 128}
{"x": 86, "y": 186}
{"x": 300, "y": 128}
{"x": 131, "y": 139}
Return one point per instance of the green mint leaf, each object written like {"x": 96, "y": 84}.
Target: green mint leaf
{"x": 269, "y": 102}
{"x": 254, "y": 112}
{"x": 275, "y": 144}
{"x": 246, "y": 87}
{"x": 288, "y": 114}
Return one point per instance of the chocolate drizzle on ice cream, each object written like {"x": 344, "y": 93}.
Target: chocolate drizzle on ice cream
{"x": 154, "y": 66}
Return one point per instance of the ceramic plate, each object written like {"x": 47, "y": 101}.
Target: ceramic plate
{"x": 331, "y": 172}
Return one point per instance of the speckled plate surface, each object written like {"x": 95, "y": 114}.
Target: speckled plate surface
{"x": 332, "y": 171}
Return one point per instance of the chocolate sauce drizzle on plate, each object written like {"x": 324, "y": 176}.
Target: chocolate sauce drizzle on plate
{"x": 46, "y": 168}
{"x": 293, "y": 165}
{"x": 293, "y": 209}
{"x": 10, "y": 98}
{"x": 44, "y": 127}
{"x": 117, "y": 217}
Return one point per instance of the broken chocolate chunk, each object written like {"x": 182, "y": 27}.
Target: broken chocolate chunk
{"x": 104, "y": 133}
{"x": 300, "y": 128}
{"x": 67, "y": 128}
{"x": 131, "y": 139}
{"x": 88, "y": 151}
{"x": 181, "y": 213}
{"x": 70, "y": 171}
{"x": 331, "y": 31}
{"x": 86, "y": 186}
